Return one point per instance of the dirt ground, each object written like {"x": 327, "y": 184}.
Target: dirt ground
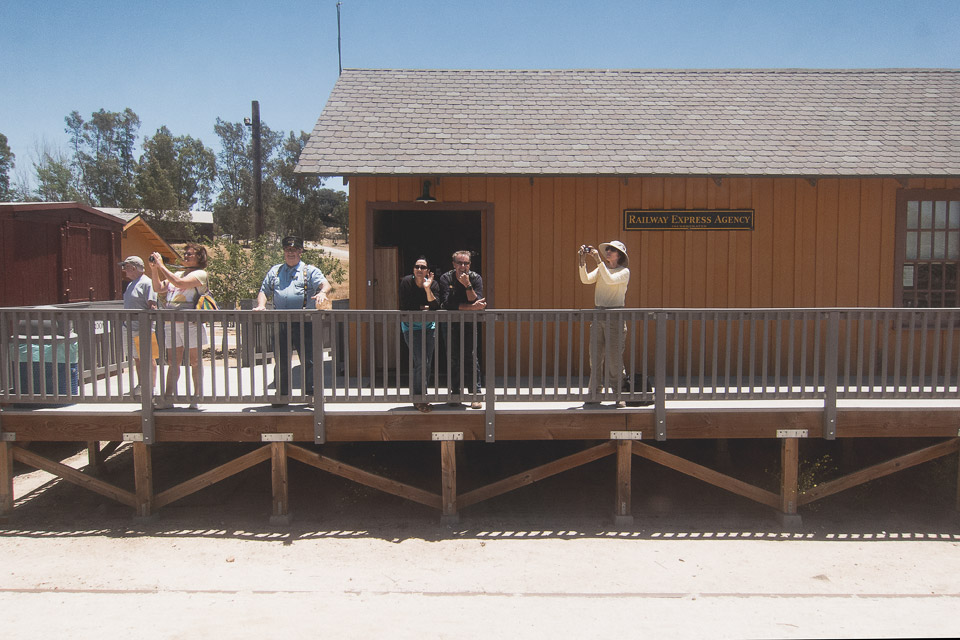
{"x": 542, "y": 562}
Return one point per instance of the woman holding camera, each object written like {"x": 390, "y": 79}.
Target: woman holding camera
{"x": 182, "y": 290}
{"x": 607, "y": 336}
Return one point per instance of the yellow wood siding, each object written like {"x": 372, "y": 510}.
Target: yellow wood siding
{"x": 824, "y": 244}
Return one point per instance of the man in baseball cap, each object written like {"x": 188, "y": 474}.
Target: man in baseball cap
{"x": 292, "y": 241}
{"x": 133, "y": 260}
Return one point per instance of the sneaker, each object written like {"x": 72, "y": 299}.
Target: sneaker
{"x": 136, "y": 390}
{"x": 621, "y": 404}
{"x": 195, "y": 406}
{"x": 476, "y": 405}
{"x": 162, "y": 403}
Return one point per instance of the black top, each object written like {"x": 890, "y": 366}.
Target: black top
{"x": 454, "y": 294}
{"x": 414, "y": 298}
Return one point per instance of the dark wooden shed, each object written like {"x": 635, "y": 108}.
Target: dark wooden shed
{"x": 58, "y": 252}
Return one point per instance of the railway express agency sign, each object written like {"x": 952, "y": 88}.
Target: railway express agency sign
{"x": 649, "y": 219}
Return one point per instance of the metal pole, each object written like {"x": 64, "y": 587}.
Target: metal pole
{"x": 339, "y": 53}
{"x": 257, "y": 171}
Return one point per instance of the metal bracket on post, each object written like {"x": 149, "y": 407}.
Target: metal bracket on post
{"x": 660, "y": 377}
{"x": 490, "y": 370}
{"x": 830, "y": 367}
{"x": 8, "y": 436}
{"x": 319, "y": 381}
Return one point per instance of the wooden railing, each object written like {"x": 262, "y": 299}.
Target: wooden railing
{"x": 82, "y": 354}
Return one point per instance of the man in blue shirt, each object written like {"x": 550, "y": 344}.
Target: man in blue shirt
{"x": 292, "y": 284}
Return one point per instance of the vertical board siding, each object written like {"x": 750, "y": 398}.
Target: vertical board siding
{"x": 825, "y": 243}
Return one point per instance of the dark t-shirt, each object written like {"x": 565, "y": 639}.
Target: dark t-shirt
{"x": 414, "y": 298}
{"x": 454, "y": 294}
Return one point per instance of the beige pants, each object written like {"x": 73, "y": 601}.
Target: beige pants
{"x": 607, "y": 338}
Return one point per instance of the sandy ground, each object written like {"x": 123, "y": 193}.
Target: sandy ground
{"x": 544, "y": 562}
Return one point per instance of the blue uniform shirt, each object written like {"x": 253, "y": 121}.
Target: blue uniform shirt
{"x": 285, "y": 284}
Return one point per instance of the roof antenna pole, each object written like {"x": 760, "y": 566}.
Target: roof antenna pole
{"x": 339, "y": 53}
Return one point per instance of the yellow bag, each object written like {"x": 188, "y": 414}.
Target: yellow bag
{"x": 207, "y": 303}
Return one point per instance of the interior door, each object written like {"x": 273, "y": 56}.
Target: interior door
{"x": 386, "y": 269}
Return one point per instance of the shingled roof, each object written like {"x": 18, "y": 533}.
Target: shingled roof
{"x": 882, "y": 122}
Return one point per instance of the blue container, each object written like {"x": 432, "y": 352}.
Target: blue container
{"x": 48, "y": 351}
{"x": 45, "y": 377}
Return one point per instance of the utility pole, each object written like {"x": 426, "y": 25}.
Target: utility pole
{"x": 257, "y": 171}
{"x": 339, "y": 52}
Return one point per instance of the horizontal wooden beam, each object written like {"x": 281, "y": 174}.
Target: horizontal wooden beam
{"x": 365, "y": 478}
{"x": 73, "y": 476}
{"x": 212, "y": 477}
{"x": 706, "y": 474}
{"x": 879, "y": 470}
{"x": 536, "y": 474}
{"x": 709, "y": 422}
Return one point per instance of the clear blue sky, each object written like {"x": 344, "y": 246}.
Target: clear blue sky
{"x": 183, "y": 63}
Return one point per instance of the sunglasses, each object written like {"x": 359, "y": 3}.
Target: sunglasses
{"x": 420, "y": 266}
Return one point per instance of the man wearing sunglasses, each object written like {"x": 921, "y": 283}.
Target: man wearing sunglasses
{"x": 462, "y": 290}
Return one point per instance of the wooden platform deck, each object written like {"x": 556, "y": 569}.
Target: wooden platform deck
{"x": 604, "y": 430}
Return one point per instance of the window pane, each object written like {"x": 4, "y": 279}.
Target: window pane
{"x": 936, "y": 277}
{"x": 926, "y": 214}
{"x": 911, "y": 245}
{"x": 940, "y": 214}
{"x": 953, "y": 245}
{"x": 955, "y": 214}
{"x": 926, "y": 244}
{"x": 913, "y": 209}
{"x": 923, "y": 276}
{"x": 939, "y": 245}
{"x": 908, "y": 276}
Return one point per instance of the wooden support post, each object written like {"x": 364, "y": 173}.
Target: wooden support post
{"x": 789, "y": 477}
{"x": 281, "y": 485}
{"x": 448, "y": 475}
{"x": 623, "y": 510}
{"x": 95, "y": 458}
{"x": 6, "y": 480}
{"x": 143, "y": 475}
{"x": 957, "y": 505}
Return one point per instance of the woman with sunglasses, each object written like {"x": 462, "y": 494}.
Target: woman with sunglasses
{"x": 607, "y": 336}
{"x": 419, "y": 292}
{"x": 182, "y": 290}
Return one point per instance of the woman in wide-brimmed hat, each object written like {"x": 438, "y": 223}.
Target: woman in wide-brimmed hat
{"x": 607, "y": 337}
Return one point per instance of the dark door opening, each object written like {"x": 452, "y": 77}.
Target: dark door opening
{"x": 434, "y": 234}
{"x": 400, "y": 237}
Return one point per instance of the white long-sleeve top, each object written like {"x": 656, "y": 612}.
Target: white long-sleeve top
{"x": 611, "y": 289}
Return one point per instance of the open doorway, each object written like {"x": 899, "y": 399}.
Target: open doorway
{"x": 434, "y": 234}
{"x": 400, "y": 236}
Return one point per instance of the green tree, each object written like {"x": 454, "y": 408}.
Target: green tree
{"x": 304, "y": 207}
{"x": 233, "y": 211}
{"x": 56, "y": 181}
{"x": 6, "y": 166}
{"x": 175, "y": 174}
{"x": 103, "y": 156}
{"x": 237, "y": 271}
